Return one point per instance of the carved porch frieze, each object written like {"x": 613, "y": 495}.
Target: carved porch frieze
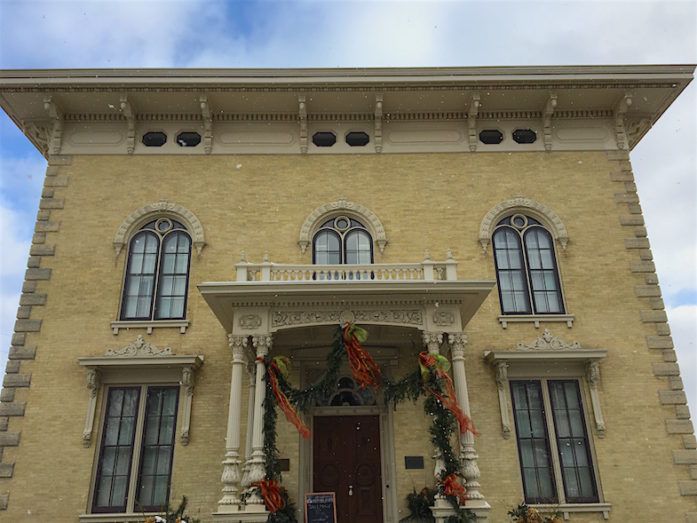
{"x": 281, "y": 319}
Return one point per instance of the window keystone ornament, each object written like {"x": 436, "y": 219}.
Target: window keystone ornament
{"x": 139, "y": 348}
{"x": 548, "y": 342}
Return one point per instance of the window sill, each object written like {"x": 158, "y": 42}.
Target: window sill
{"x": 504, "y": 320}
{"x": 182, "y": 325}
{"x": 116, "y": 518}
{"x": 568, "y": 508}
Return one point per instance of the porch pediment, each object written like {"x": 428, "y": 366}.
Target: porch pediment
{"x": 249, "y": 307}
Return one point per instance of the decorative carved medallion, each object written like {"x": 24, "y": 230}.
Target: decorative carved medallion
{"x": 443, "y": 318}
{"x": 140, "y": 348}
{"x": 548, "y": 342}
{"x": 250, "y": 321}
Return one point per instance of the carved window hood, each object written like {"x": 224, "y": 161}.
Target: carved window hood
{"x": 140, "y": 362}
{"x": 548, "y": 357}
{"x": 249, "y": 308}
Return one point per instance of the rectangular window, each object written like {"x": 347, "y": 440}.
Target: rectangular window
{"x": 553, "y": 445}
{"x": 138, "y": 435}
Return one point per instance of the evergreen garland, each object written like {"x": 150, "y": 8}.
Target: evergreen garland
{"x": 412, "y": 387}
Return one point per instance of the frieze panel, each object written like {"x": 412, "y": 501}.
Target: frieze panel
{"x": 250, "y": 321}
{"x": 281, "y": 319}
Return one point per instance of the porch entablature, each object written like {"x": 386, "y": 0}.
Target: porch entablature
{"x": 250, "y": 308}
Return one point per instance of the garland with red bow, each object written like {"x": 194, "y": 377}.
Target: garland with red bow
{"x": 439, "y": 366}
{"x": 430, "y": 380}
{"x": 276, "y": 368}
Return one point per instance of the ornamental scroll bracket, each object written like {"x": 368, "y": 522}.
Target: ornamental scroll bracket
{"x": 127, "y": 111}
{"x": 93, "y": 383}
{"x": 56, "y": 116}
{"x": 377, "y": 131}
{"x": 302, "y": 121}
{"x": 547, "y": 120}
{"x": 207, "y": 124}
{"x": 472, "y": 114}
{"x": 620, "y": 119}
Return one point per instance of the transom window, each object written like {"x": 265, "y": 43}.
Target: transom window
{"x": 526, "y": 267}
{"x": 555, "y": 458}
{"x": 137, "y": 444}
{"x": 342, "y": 240}
{"x": 157, "y": 272}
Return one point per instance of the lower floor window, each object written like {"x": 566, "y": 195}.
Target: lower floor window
{"x": 135, "y": 456}
{"x": 555, "y": 458}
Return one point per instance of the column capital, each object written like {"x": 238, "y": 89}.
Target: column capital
{"x": 457, "y": 341}
{"x": 262, "y": 344}
{"x": 433, "y": 340}
{"x": 238, "y": 345}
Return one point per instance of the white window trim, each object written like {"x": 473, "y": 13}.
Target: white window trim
{"x": 149, "y": 325}
{"x": 549, "y": 358}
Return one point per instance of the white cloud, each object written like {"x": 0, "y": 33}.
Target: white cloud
{"x": 683, "y": 323}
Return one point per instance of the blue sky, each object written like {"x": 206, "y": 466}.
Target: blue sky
{"x": 193, "y": 33}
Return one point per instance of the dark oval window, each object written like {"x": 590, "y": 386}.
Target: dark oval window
{"x": 524, "y": 136}
{"x": 491, "y": 137}
{"x": 324, "y": 139}
{"x": 154, "y": 139}
{"x": 188, "y": 139}
{"x": 357, "y": 139}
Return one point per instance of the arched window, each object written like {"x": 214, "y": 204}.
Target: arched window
{"x": 526, "y": 267}
{"x": 157, "y": 272}
{"x": 342, "y": 240}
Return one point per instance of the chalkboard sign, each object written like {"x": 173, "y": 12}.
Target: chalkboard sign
{"x": 320, "y": 507}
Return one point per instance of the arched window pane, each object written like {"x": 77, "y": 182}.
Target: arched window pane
{"x": 510, "y": 271}
{"x": 544, "y": 277}
{"x": 140, "y": 276}
{"x": 174, "y": 271}
{"x": 358, "y": 247}
{"x": 327, "y": 248}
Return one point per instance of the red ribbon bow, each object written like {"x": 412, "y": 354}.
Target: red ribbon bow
{"x": 284, "y": 404}
{"x": 363, "y": 367}
{"x": 452, "y": 487}
{"x": 271, "y": 492}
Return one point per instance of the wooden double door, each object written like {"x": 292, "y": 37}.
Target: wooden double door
{"x": 346, "y": 461}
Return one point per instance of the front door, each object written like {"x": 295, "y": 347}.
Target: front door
{"x": 346, "y": 461}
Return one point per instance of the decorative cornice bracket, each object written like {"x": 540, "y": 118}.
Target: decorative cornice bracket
{"x": 207, "y": 124}
{"x": 620, "y": 115}
{"x": 547, "y": 120}
{"x": 472, "y": 114}
{"x": 302, "y": 120}
{"x": 127, "y": 111}
{"x": 56, "y": 116}
{"x": 377, "y": 131}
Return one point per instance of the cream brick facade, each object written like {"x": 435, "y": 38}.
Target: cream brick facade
{"x": 427, "y": 201}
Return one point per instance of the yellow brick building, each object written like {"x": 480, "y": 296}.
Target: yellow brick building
{"x": 193, "y": 220}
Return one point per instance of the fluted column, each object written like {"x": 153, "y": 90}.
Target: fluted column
{"x": 251, "y": 370}
{"x": 257, "y": 472}
{"x": 231, "y": 464}
{"x": 468, "y": 454}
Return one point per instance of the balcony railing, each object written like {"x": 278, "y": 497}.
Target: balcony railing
{"x": 426, "y": 270}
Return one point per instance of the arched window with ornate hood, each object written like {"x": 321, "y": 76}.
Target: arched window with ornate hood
{"x": 157, "y": 272}
{"x": 526, "y": 267}
{"x": 342, "y": 240}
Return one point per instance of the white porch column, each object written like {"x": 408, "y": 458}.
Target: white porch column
{"x": 251, "y": 370}
{"x": 432, "y": 341}
{"x": 231, "y": 464}
{"x": 468, "y": 454}
{"x": 257, "y": 472}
